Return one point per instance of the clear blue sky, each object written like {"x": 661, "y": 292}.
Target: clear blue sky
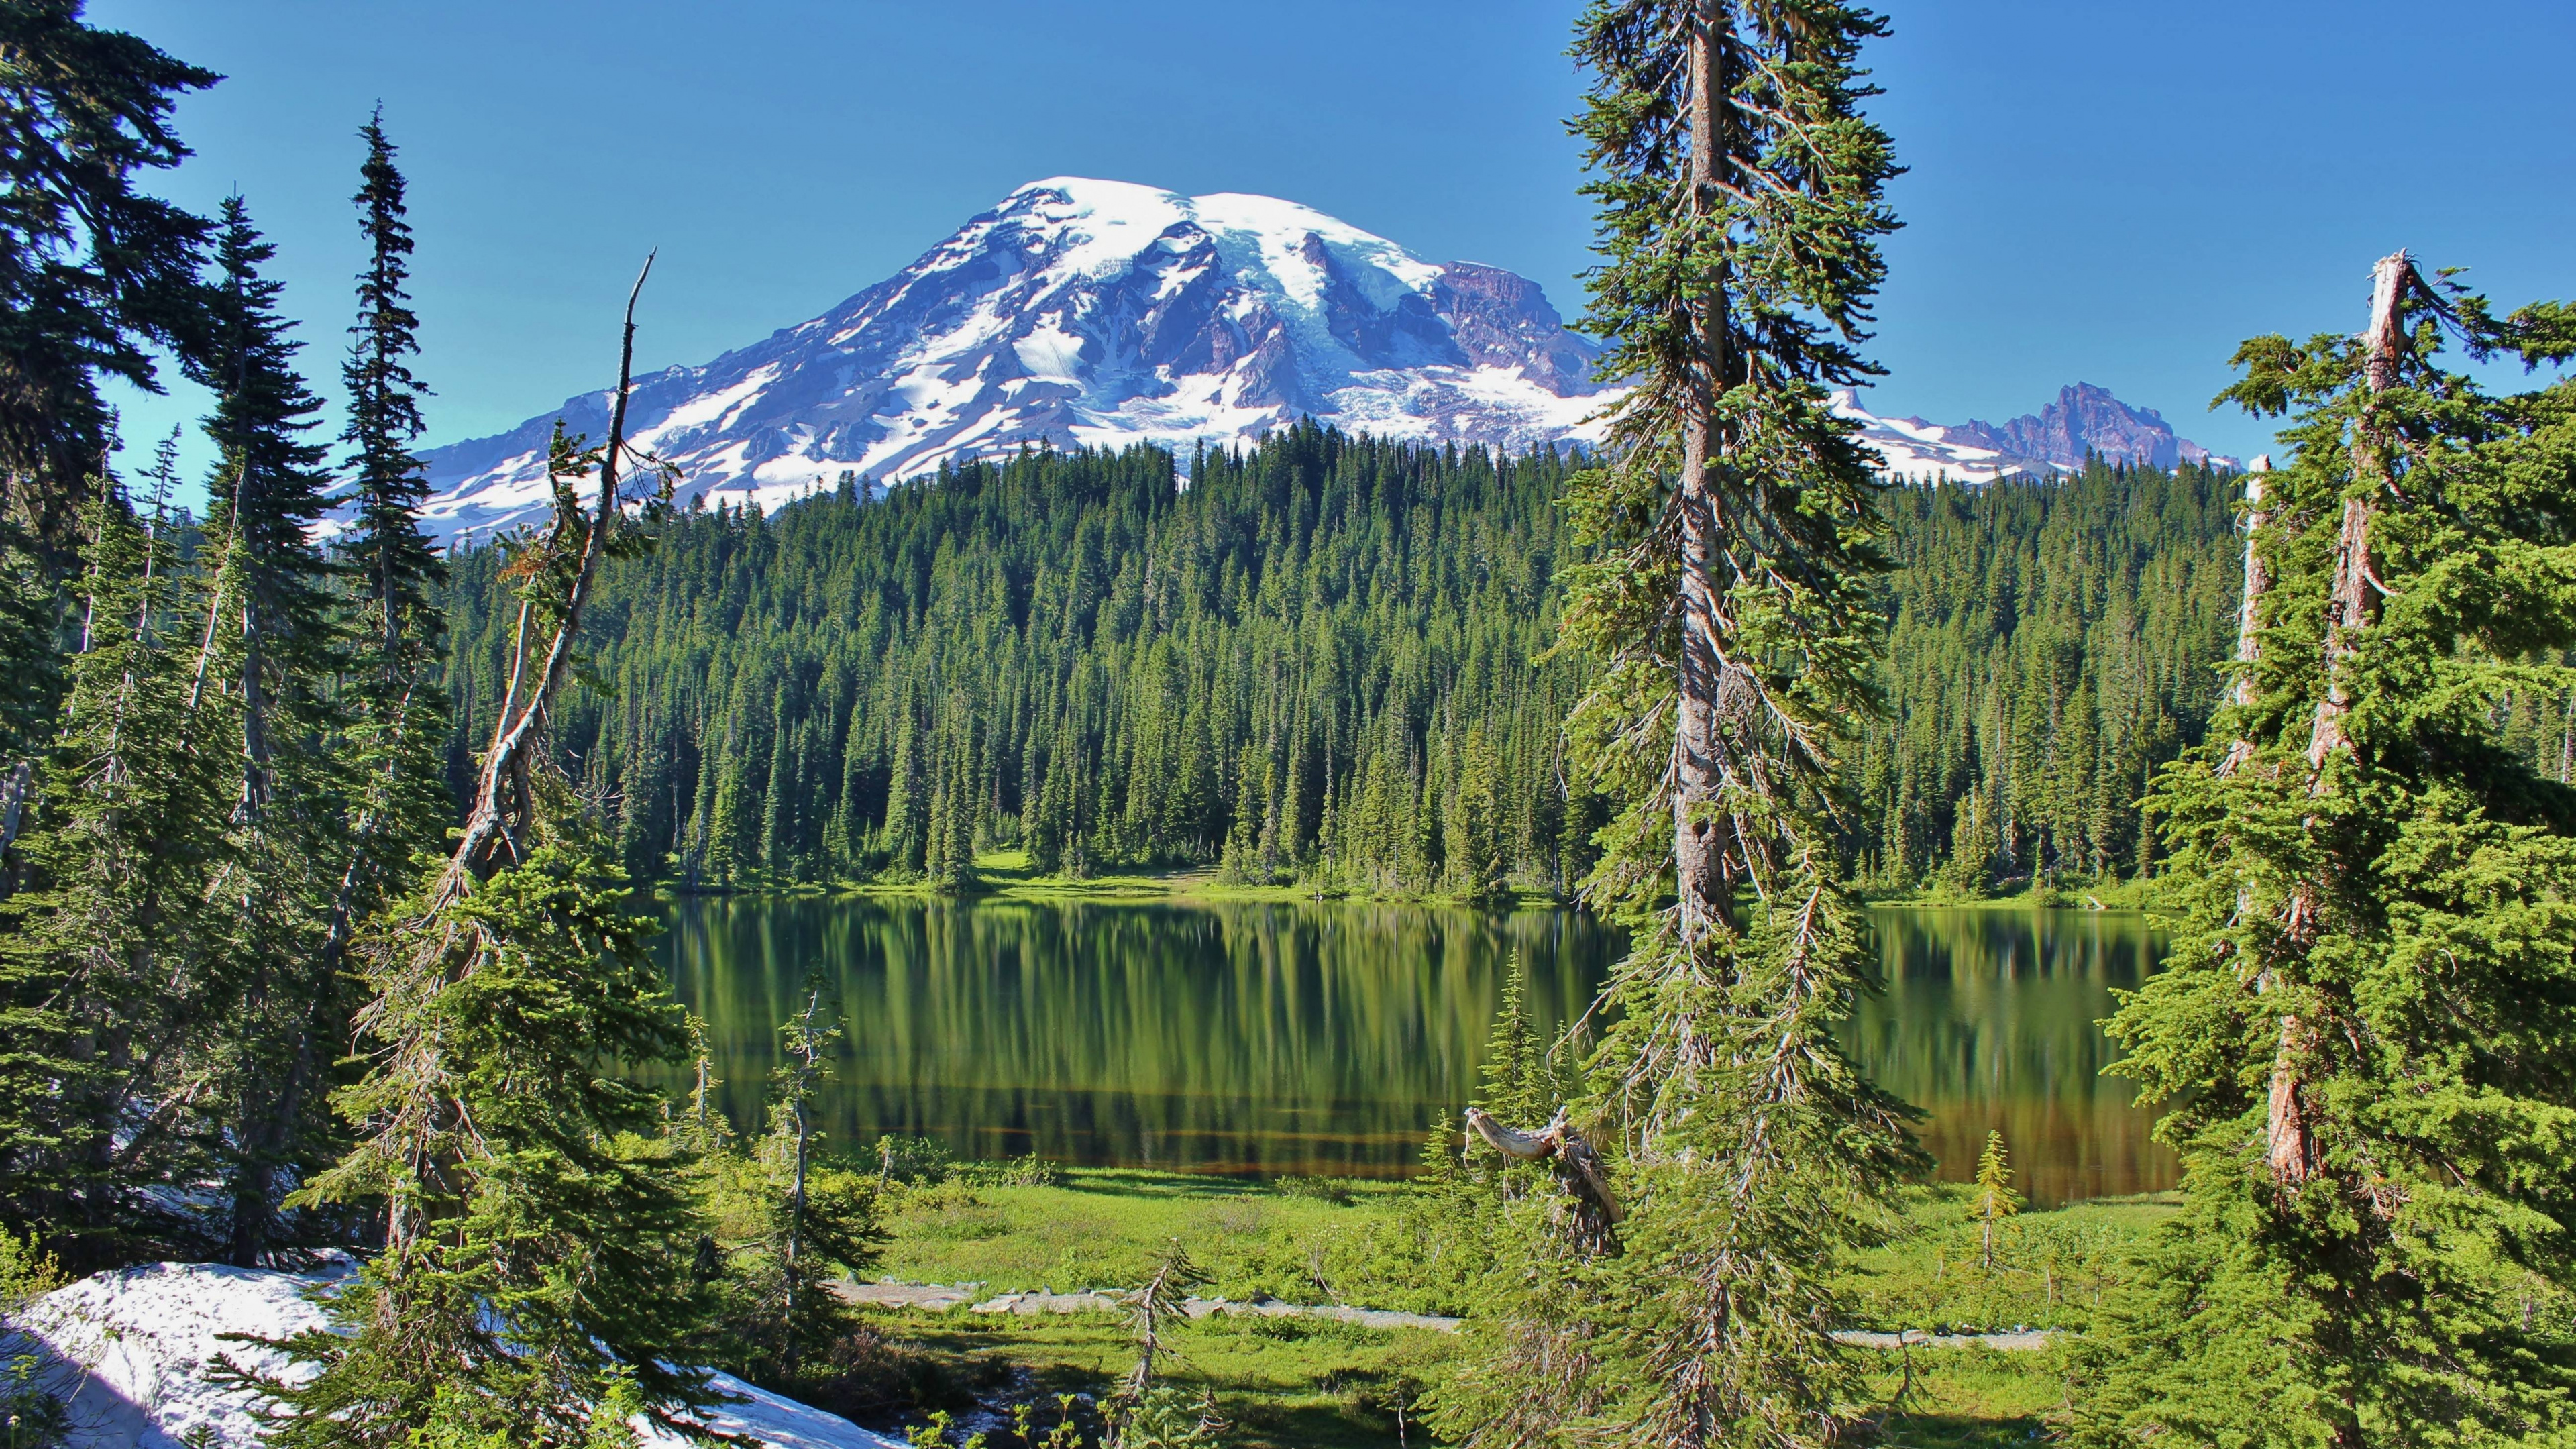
{"x": 2111, "y": 192}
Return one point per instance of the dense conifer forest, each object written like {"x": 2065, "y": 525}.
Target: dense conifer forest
{"x": 1326, "y": 659}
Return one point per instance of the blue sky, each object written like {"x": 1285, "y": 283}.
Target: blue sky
{"x": 2110, "y": 192}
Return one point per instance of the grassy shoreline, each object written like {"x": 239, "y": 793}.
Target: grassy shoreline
{"x": 1007, "y": 876}
{"x": 1311, "y": 1382}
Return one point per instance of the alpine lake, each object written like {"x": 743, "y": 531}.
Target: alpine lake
{"x": 1327, "y": 1038}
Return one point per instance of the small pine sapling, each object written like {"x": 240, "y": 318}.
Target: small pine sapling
{"x": 1995, "y": 1199}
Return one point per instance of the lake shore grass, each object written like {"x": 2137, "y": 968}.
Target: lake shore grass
{"x": 1007, "y": 875}
{"x": 2131, "y": 897}
{"x": 1318, "y": 1382}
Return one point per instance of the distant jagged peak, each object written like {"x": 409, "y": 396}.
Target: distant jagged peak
{"x": 2083, "y": 420}
{"x": 2087, "y": 418}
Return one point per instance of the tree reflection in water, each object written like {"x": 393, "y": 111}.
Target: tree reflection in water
{"x": 1324, "y": 1038}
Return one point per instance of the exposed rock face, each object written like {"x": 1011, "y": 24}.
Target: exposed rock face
{"x": 2083, "y": 418}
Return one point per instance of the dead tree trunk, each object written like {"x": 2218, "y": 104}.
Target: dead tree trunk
{"x": 2374, "y": 472}
{"x": 1579, "y": 1166}
{"x": 2249, "y": 612}
{"x": 496, "y": 827}
{"x": 2289, "y": 1134}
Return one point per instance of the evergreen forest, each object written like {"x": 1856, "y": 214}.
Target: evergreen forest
{"x": 1324, "y": 659}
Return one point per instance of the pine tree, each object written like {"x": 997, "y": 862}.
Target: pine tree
{"x": 401, "y": 717}
{"x": 539, "y": 1253}
{"x": 1503, "y": 1235}
{"x": 807, "y": 1221}
{"x": 904, "y": 825}
{"x": 1994, "y": 1199}
{"x": 1728, "y": 612}
{"x": 1241, "y": 861}
{"x": 94, "y": 272}
{"x": 111, "y": 957}
{"x": 1479, "y": 855}
{"x": 396, "y": 569}
{"x": 2365, "y": 1034}
{"x": 275, "y": 642}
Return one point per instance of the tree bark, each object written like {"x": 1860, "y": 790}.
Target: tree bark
{"x": 1700, "y": 868}
{"x": 2249, "y": 613}
{"x": 2289, "y": 1135}
{"x": 2348, "y": 606}
{"x": 1559, "y": 1140}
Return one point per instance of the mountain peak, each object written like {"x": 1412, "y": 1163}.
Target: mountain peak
{"x": 2084, "y": 420}
{"x": 2087, "y": 418}
{"x": 1081, "y": 311}
{"x": 1085, "y": 312}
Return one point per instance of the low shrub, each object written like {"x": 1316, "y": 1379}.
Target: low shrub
{"x": 1319, "y": 1189}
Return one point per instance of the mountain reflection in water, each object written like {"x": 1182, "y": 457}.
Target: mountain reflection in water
{"x": 1326, "y": 1038}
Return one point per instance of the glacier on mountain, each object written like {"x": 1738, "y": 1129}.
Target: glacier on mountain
{"x": 1103, "y": 314}
{"x": 1081, "y": 312}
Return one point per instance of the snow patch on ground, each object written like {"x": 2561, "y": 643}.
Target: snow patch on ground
{"x": 134, "y": 1354}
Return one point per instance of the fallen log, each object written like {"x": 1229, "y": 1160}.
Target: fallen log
{"x": 1584, "y": 1171}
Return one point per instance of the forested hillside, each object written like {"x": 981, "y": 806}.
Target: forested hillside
{"x": 2050, "y": 644}
{"x": 1325, "y": 660}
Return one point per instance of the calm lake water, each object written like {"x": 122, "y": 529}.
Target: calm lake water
{"x": 1326, "y": 1038}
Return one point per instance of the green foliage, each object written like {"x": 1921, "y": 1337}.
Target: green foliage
{"x": 911, "y": 1160}
{"x": 934, "y": 1433}
{"x": 1319, "y": 1189}
{"x": 2052, "y": 1269}
{"x": 2048, "y": 648}
{"x": 95, "y": 272}
{"x": 555, "y": 1247}
{"x": 115, "y": 967}
{"x": 1994, "y": 1200}
{"x": 2363, "y": 1033}
{"x": 1165, "y": 1417}
{"x": 785, "y": 1225}
{"x": 1322, "y": 650}
{"x": 31, "y": 1416}
{"x": 397, "y": 570}
{"x": 276, "y": 637}
{"x": 27, "y": 1271}
{"x": 2050, "y": 645}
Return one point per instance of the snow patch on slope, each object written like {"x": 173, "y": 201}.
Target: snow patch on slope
{"x": 133, "y": 1353}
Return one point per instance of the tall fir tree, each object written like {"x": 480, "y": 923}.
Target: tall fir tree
{"x": 274, "y": 642}
{"x": 2365, "y": 1034}
{"x": 94, "y": 271}
{"x": 112, "y": 956}
{"x": 399, "y": 725}
{"x": 1727, "y": 608}
{"x": 796, "y": 1221}
{"x": 396, "y": 569}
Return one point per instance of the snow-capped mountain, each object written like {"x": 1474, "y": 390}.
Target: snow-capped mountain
{"x": 1083, "y": 312}
{"x": 1104, "y": 313}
